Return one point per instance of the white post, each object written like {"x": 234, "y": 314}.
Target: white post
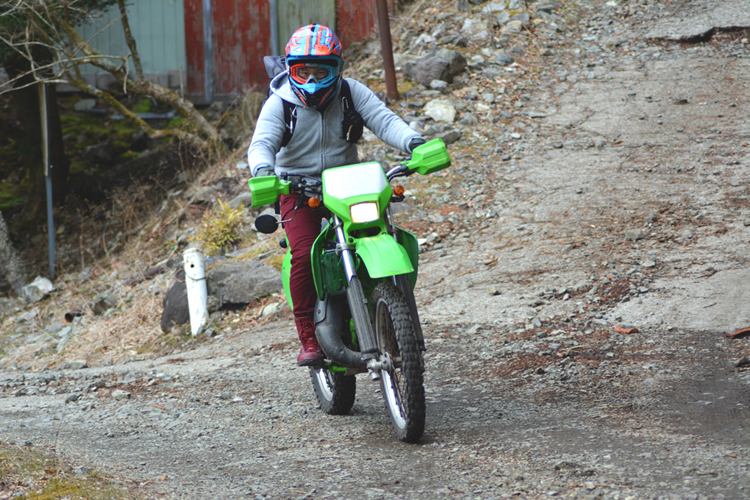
{"x": 197, "y": 291}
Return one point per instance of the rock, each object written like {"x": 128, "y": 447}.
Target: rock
{"x": 456, "y": 61}
{"x": 634, "y": 234}
{"x": 469, "y": 119}
{"x": 427, "y": 69}
{"x": 38, "y": 289}
{"x": 229, "y": 282}
{"x": 243, "y": 199}
{"x": 206, "y": 194}
{"x": 438, "y": 84}
{"x": 175, "y": 309}
{"x": 78, "y": 364}
{"x": 547, "y": 6}
{"x": 271, "y": 309}
{"x": 28, "y": 316}
{"x": 242, "y": 282}
{"x": 119, "y": 394}
{"x": 72, "y": 398}
{"x": 85, "y": 105}
{"x": 449, "y": 137}
{"x": 504, "y": 59}
{"x": 441, "y": 110}
{"x": 473, "y": 27}
{"x": 523, "y": 17}
{"x": 513, "y": 27}
{"x": 493, "y": 7}
{"x": 103, "y": 302}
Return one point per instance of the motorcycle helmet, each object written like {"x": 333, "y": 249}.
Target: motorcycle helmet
{"x": 314, "y": 64}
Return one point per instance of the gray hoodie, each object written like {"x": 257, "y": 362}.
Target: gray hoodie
{"x": 317, "y": 142}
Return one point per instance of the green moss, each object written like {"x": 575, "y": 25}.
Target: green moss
{"x": 52, "y": 479}
{"x": 176, "y": 122}
{"x": 128, "y": 155}
{"x": 10, "y": 195}
{"x": 144, "y": 105}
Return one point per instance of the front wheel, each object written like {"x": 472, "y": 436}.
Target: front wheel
{"x": 334, "y": 390}
{"x": 402, "y": 378}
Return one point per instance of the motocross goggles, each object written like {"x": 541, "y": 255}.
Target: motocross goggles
{"x": 316, "y": 74}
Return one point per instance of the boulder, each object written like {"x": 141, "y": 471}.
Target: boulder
{"x": 175, "y": 305}
{"x": 427, "y": 69}
{"x": 38, "y": 289}
{"x": 229, "y": 283}
{"x": 441, "y": 110}
{"x": 456, "y": 61}
{"x": 242, "y": 282}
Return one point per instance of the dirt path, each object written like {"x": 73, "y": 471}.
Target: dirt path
{"x": 626, "y": 204}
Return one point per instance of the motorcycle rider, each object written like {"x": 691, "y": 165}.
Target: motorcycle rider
{"x": 312, "y": 83}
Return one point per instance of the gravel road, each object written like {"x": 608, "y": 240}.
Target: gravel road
{"x": 621, "y": 200}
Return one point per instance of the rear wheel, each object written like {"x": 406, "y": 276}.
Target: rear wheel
{"x": 402, "y": 378}
{"x": 334, "y": 390}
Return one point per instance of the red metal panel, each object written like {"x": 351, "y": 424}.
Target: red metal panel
{"x": 196, "y": 78}
{"x": 357, "y": 19}
{"x": 241, "y": 37}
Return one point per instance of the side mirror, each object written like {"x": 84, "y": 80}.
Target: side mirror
{"x": 266, "y": 224}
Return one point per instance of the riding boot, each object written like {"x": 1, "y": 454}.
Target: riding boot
{"x": 310, "y": 354}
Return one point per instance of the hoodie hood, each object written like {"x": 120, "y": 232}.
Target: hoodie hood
{"x": 280, "y": 86}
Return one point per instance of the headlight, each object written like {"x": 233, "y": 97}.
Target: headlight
{"x": 364, "y": 212}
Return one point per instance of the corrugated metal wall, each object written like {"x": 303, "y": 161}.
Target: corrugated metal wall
{"x": 158, "y": 27}
{"x": 170, "y": 37}
{"x": 293, "y": 14}
{"x": 356, "y": 20}
{"x": 240, "y": 37}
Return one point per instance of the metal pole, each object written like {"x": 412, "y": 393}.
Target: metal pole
{"x": 208, "y": 50}
{"x": 386, "y": 47}
{"x": 44, "y": 99}
{"x": 274, "y": 20}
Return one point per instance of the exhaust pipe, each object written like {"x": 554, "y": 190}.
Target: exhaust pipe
{"x": 329, "y": 328}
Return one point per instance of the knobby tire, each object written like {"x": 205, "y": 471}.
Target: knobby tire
{"x": 335, "y": 391}
{"x": 403, "y": 385}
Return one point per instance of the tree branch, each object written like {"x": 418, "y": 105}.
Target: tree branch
{"x": 130, "y": 41}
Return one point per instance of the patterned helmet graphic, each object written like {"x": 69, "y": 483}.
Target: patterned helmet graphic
{"x": 314, "y": 60}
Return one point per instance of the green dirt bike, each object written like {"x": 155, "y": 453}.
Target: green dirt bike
{"x": 364, "y": 269}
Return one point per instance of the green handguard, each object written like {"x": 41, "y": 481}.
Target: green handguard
{"x": 429, "y": 158}
{"x": 266, "y": 190}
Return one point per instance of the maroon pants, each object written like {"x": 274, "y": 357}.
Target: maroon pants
{"x": 301, "y": 232}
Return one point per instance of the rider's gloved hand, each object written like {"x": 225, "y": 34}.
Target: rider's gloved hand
{"x": 264, "y": 172}
{"x": 417, "y": 141}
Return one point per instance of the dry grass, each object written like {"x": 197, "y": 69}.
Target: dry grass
{"x": 26, "y": 474}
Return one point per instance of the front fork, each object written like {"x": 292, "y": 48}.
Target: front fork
{"x": 358, "y": 304}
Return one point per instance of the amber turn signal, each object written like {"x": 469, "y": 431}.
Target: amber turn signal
{"x": 398, "y": 190}
{"x": 313, "y": 202}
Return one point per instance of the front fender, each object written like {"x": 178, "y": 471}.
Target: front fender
{"x": 383, "y": 256}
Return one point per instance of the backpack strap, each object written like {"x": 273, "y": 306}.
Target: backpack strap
{"x": 290, "y": 120}
{"x": 352, "y": 124}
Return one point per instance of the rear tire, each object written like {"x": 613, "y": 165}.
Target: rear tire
{"x": 335, "y": 391}
{"x": 401, "y": 384}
